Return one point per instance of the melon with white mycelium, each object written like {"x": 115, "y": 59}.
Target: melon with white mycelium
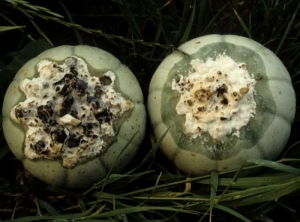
{"x": 69, "y": 113}
{"x": 223, "y": 99}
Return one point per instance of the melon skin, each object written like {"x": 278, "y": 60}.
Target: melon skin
{"x": 266, "y": 134}
{"x": 85, "y": 174}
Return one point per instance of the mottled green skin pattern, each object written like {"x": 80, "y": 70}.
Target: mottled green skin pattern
{"x": 250, "y": 134}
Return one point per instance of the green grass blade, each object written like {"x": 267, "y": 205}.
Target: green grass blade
{"x": 189, "y": 26}
{"x": 48, "y": 207}
{"x": 275, "y": 165}
{"x": 244, "y": 194}
{"x": 135, "y": 27}
{"x": 156, "y": 184}
{"x": 214, "y": 19}
{"x": 151, "y": 153}
{"x": 103, "y": 182}
{"x": 213, "y": 191}
{"x": 3, "y": 152}
{"x": 37, "y": 27}
{"x": 81, "y": 202}
{"x": 130, "y": 210}
{"x": 31, "y": 50}
{"x": 288, "y": 28}
{"x": 3, "y": 184}
{"x": 75, "y": 29}
{"x": 243, "y": 24}
{"x": 213, "y": 188}
{"x": 233, "y": 212}
{"x": 128, "y": 177}
{"x": 201, "y": 15}
{"x": 250, "y": 182}
{"x": 159, "y": 31}
{"x": 258, "y": 195}
{"x": 183, "y": 19}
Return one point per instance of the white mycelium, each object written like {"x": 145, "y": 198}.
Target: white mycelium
{"x": 67, "y": 112}
{"x": 217, "y": 97}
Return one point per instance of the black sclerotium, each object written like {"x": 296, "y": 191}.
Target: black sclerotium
{"x": 103, "y": 116}
{"x": 73, "y": 69}
{"x": 93, "y": 101}
{"x": 65, "y": 80}
{"x": 98, "y": 91}
{"x": 80, "y": 86}
{"x": 74, "y": 113}
{"x": 46, "y": 129}
{"x": 71, "y": 82}
{"x": 42, "y": 115}
{"x": 90, "y": 99}
{"x": 66, "y": 84}
{"x": 73, "y": 140}
{"x": 66, "y": 90}
{"x": 45, "y": 112}
{"x": 72, "y": 63}
{"x": 87, "y": 129}
{"x": 68, "y": 78}
{"x": 40, "y": 146}
{"x": 221, "y": 90}
{"x": 224, "y": 101}
{"x": 55, "y": 66}
{"x": 58, "y": 134}
{"x": 19, "y": 112}
{"x": 66, "y": 106}
{"x": 52, "y": 122}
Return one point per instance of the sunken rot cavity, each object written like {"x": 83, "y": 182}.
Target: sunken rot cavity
{"x": 69, "y": 114}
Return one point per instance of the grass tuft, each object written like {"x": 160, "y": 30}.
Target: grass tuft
{"x": 141, "y": 34}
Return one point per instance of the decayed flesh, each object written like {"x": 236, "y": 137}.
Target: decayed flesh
{"x": 217, "y": 97}
{"x": 67, "y": 112}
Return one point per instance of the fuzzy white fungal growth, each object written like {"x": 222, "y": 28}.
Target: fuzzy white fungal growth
{"x": 68, "y": 112}
{"x": 217, "y": 97}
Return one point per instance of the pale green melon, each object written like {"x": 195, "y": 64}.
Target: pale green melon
{"x": 85, "y": 174}
{"x": 266, "y": 134}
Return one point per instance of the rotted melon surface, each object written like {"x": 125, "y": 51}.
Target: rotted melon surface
{"x": 69, "y": 113}
{"x": 223, "y": 99}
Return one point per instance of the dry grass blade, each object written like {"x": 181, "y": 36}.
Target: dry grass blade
{"x": 14, "y": 24}
{"x": 20, "y": 3}
{"x": 8, "y": 28}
